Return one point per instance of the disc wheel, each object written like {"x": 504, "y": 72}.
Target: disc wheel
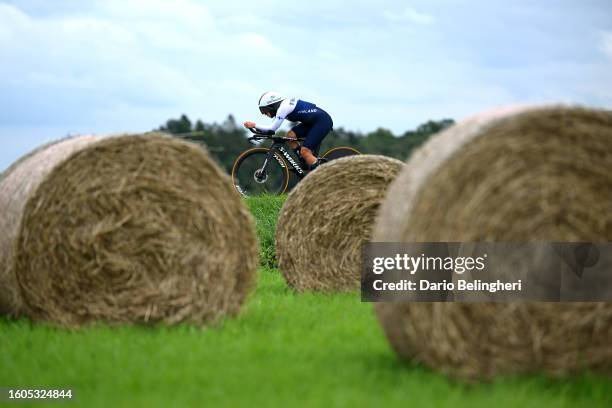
{"x": 250, "y": 179}
{"x": 338, "y": 152}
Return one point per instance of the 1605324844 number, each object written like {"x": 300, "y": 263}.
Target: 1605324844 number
{"x": 14, "y": 394}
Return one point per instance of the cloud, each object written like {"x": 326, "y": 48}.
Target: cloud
{"x": 606, "y": 43}
{"x": 184, "y": 12}
{"x": 409, "y": 15}
{"x": 110, "y": 64}
{"x": 257, "y": 43}
{"x": 114, "y": 65}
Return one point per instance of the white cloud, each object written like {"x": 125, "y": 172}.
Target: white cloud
{"x": 409, "y": 15}
{"x": 329, "y": 55}
{"x": 606, "y": 43}
{"x": 256, "y": 44}
{"x": 184, "y": 12}
{"x": 112, "y": 65}
{"x": 243, "y": 20}
{"x": 120, "y": 57}
{"x": 82, "y": 53}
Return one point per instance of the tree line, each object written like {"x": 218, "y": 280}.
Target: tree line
{"x": 226, "y": 140}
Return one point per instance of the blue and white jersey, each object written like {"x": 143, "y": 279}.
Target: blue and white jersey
{"x": 296, "y": 110}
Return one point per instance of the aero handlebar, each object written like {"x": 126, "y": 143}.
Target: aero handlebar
{"x": 269, "y": 135}
{"x": 258, "y": 133}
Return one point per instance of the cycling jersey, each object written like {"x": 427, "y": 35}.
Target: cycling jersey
{"x": 295, "y": 110}
{"x": 314, "y": 125}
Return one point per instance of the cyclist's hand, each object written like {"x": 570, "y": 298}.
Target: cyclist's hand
{"x": 249, "y": 124}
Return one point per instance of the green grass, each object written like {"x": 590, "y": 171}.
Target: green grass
{"x": 284, "y": 349}
{"x": 266, "y": 210}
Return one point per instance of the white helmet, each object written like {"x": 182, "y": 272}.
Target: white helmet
{"x": 269, "y": 102}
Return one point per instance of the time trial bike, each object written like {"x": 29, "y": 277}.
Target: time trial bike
{"x": 273, "y": 169}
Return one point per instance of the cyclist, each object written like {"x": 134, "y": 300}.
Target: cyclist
{"x": 314, "y": 124}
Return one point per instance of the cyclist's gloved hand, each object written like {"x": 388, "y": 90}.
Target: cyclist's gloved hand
{"x": 248, "y": 124}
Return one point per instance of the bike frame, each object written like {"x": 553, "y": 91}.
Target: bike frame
{"x": 278, "y": 145}
{"x": 282, "y": 155}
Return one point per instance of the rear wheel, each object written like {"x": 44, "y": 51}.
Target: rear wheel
{"x": 250, "y": 178}
{"x": 338, "y": 152}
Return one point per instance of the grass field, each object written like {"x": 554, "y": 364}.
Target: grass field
{"x": 284, "y": 349}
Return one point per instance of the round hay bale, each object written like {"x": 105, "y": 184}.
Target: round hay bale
{"x": 523, "y": 174}
{"x": 16, "y": 185}
{"x": 126, "y": 229}
{"x": 327, "y": 217}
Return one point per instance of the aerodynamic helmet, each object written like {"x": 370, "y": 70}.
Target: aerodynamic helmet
{"x": 269, "y": 102}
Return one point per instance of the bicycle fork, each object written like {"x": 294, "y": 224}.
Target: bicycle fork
{"x": 260, "y": 174}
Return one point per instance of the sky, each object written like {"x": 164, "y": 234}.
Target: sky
{"x": 71, "y": 67}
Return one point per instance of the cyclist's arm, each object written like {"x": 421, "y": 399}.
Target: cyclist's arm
{"x": 278, "y": 121}
{"x": 283, "y": 110}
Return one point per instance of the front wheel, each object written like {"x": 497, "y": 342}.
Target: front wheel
{"x": 338, "y": 152}
{"x": 258, "y": 171}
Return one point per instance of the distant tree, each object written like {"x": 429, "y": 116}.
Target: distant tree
{"x": 229, "y": 124}
{"x": 227, "y": 140}
{"x": 381, "y": 141}
{"x": 185, "y": 124}
{"x": 177, "y": 126}
{"x": 199, "y": 126}
{"x": 431, "y": 126}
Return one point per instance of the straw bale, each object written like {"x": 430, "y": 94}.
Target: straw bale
{"x": 126, "y": 229}
{"x": 327, "y": 217}
{"x": 520, "y": 174}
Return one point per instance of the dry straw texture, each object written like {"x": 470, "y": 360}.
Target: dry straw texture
{"x": 17, "y": 184}
{"x": 139, "y": 229}
{"x": 514, "y": 175}
{"x": 327, "y": 217}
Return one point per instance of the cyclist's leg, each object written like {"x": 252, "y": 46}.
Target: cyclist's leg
{"x": 314, "y": 139}
{"x": 301, "y": 131}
